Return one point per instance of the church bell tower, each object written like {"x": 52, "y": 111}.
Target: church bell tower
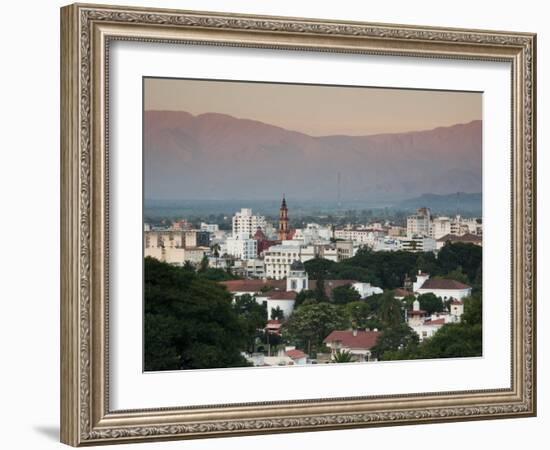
{"x": 283, "y": 221}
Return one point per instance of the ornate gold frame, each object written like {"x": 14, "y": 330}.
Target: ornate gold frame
{"x": 86, "y": 31}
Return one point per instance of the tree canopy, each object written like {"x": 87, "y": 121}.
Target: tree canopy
{"x": 395, "y": 338}
{"x": 345, "y": 294}
{"x": 452, "y": 340}
{"x": 190, "y": 322}
{"x": 310, "y": 324}
{"x": 430, "y": 303}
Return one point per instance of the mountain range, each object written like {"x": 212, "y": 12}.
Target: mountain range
{"x": 217, "y": 156}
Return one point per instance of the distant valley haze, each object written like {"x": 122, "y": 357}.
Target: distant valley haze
{"x": 215, "y": 156}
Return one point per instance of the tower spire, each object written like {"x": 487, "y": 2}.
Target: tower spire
{"x": 283, "y": 220}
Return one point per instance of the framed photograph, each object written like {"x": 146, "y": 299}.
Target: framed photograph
{"x": 275, "y": 224}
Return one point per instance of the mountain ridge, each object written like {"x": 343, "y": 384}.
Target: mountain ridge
{"x": 213, "y": 154}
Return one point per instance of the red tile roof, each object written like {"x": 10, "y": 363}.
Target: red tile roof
{"x": 419, "y": 312}
{"x": 253, "y": 285}
{"x": 457, "y": 302}
{"x": 435, "y": 322}
{"x": 442, "y": 283}
{"x": 362, "y": 340}
{"x": 401, "y": 292}
{"x": 468, "y": 238}
{"x": 274, "y": 322}
{"x": 281, "y": 295}
{"x": 295, "y": 354}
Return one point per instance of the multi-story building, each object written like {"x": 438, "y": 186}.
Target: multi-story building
{"x": 418, "y": 244}
{"x": 359, "y": 236}
{"x": 196, "y": 238}
{"x": 255, "y": 268}
{"x": 440, "y": 227}
{"x": 241, "y": 246}
{"x": 246, "y": 222}
{"x": 419, "y": 224}
{"x": 278, "y": 259}
{"x": 210, "y": 227}
{"x": 176, "y": 247}
{"x": 344, "y": 250}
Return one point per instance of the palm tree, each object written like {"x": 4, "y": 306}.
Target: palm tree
{"x": 390, "y": 310}
{"x": 342, "y": 356}
{"x": 216, "y": 250}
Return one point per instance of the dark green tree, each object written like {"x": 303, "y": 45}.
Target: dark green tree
{"x": 430, "y": 303}
{"x": 310, "y": 324}
{"x": 390, "y": 311}
{"x": 188, "y": 266}
{"x": 458, "y": 275}
{"x": 395, "y": 338}
{"x": 318, "y": 267}
{"x": 217, "y": 275}
{"x": 361, "y": 315}
{"x": 189, "y": 322}
{"x": 473, "y": 311}
{"x": 345, "y": 294}
{"x": 216, "y": 250}
{"x": 302, "y": 296}
{"x": 277, "y": 313}
{"x": 320, "y": 292}
{"x": 459, "y": 254}
{"x": 203, "y": 266}
{"x": 252, "y": 316}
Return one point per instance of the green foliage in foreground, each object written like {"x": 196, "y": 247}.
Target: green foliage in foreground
{"x": 311, "y": 323}
{"x": 458, "y": 261}
{"x": 342, "y": 356}
{"x": 190, "y": 322}
{"x": 453, "y": 340}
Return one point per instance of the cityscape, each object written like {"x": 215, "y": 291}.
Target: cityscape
{"x": 286, "y": 271}
{"x": 277, "y": 237}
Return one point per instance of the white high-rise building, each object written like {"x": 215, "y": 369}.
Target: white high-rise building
{"x": 242, "y": 247}
{"x": 441, "y": 226}
{"x": 419, "y": 223}
{"x": 244, "y": 222}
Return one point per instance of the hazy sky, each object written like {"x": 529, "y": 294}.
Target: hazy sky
{"x": 317, "y": 110}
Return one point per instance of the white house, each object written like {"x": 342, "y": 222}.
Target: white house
{"x": 298, "y": 356}
{"x": 445, "y": 289}
{"x": 441, "y": 287}
{"x": 278, "y": 299}
{"x": 428, "y": 328}
{"x": 356, "y": 342}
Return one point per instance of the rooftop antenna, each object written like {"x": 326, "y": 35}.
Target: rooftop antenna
{"x": 457, "y": 202}
{"x": 338, "y": 198}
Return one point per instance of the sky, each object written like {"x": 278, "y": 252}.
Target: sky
{"x": 317, "y": 110}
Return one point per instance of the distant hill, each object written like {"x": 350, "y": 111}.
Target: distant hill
{"x": 445, "y": 204}
{"x": 216, "y": 156}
